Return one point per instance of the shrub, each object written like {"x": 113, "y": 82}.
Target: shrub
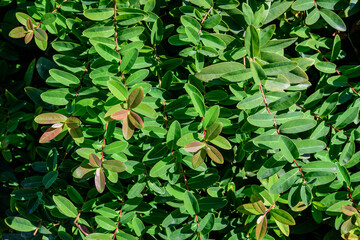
{"x": 197, "y": 119}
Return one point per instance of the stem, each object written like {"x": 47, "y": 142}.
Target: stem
{"x": 118, "y": 222}
{"x": 338, "y": 73}
{"x": 165, "y": 116}
{"x": 208, "y": 12}
{"x": 103, "y": 144}
{"x": 276, "y": 126}
{"x": 82, "y": 78}
{"x": 317, "y": 117}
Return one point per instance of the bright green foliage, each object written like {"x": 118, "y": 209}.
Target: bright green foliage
{"x": 198, "y": 119}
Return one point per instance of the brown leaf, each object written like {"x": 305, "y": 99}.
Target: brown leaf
{"x": 213, "y": 131}
{"x": 348, "y": 225}
{"x": 76, "y": 134}
{"x": 194, "y": 146}
{"x": 50, "y": 118}
{"x": 135, "y": 97}
{"x": 214, "y": 154}
{"x": 261, "y": 227}
{"x": 40, "y": 34}
{"x": 198, "y": 158}
{"x": 50, "y": 134}
{"x": 83, "y": 171}
{"x": 29, "y": 24}
{"x": 128, "y": 129}
{"x": 99, "y": 180}
{"x": 348, "y": 210}
{"x": 136, "y": 120}
{"x": 94, "y": 160}
{"x": 120, "y": 114}
{"x": 28, "y": 37}
{"x": 114, "y": 165}
{"x": 73, "y": 122}
{"x": 18, "y": 32}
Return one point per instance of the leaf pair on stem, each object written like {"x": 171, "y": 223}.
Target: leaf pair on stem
{"x": 59, "y": 123}
{"x": 97, "y": 165}
{"x": 127, "y": 112}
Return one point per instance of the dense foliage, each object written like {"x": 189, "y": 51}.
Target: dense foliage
{"x": 193, "y": 119}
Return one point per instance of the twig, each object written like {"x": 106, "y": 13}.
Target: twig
{"x": 118, "y": 222}
{"x": 208, "y": 12}
{"x": 338, "y": 73}
{"x": 350, "y": 196}
{"x": 317, "y": 117}
{"x": 276, "y": 127}
{"x": 82, "y": 78}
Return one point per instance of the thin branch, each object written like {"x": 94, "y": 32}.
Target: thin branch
{"x": 118, "y": 222}
{"x": 208, "y": 12}
{"x": 350, "y": 196}
{"x": 319, "y": 118}
{"x": 338, "y": 73}
{"x": 276, "y": 126}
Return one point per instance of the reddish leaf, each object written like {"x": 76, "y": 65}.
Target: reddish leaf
{"x": 198, "y": 158}
{"x": 136, "y": 120}
{"x": 50, "y": 118}
{"x": 28, "y": 37}
{"x": 50, "y": 134}
{"x": 73, "y": 122}
{"x": 135, "y": 97}
{"x": 259, "y": 206}
{"x": 76, "y": 134}
{"x": 261, "y": 227}
{"x": 114, "y": 165}
{"x": 128, "y": 129}
{"x": 29, "y": 24}
{"x": 214, "y": 154}
{"x": 18, "y": 32}
{"x": 40, "y": 34}
{"x": 83, "y": 171}
{"x": 120, "y": 114}
{"x": 213, "y": 131}
{"x": 94, "y": 160}
{"x": 194, "y": 146}
{"x": 348, "y": 210}
{"x": 99, "y": 180}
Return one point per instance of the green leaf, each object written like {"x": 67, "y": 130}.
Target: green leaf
{"x": 206, "y": 224}
{"x": 261, "y": 120}
{"x": 108, "y": 53}
{"x": 277, "y": 44}
{"x": 288, "y": 148}
{"x": 115, "y": 147}
{"x": 329, "y": 105}
{"x": 211, "y": 116}
{"x": 252, "y": 42}
{"x": 336, "y": 48}
{"x": 347, "y": 117}
{"x": 138, "y": 226}
{"x": 203, "y": 3}
{"x": 282, "y": 216}
{"x": 319, "y": 166}
{"x": 257, "y": 72}
{"x": 105, "y": 223}
{"x": 251, "y": 102}
{"x": 20, "y": 224}
{"x": 213, "y": 131}
{"x": 129, "y": 60}
{"x": 173, "y": 135}
{"x": 285, "y": 102}
{"x": 190, "y": 203}
{"x": 157, "y": 32}
{"x": 285, "y": 182}
{"x": 298, "y": 125}
{"x": 145, "y": 110}
{"x": 277, "y": 9}
{"x": 302, "y": 5}
{"x": 76, "y": 134}
{"x": 237, "y": 76}
{"x": 40, "y": 35}
{"x": 135, "y": 97}
{"x": 64, "y": 78}
{"x": 272, "y": 166}
{"x": 118, "y": 89}
{"x": 65, "y": 206}
{"x": 99, "y": 14}
{"x": 338, "y": 81}
{"x": 196, "y": 98}
{"x": 307, "y": 146}
{"x": 326, "y": 67}
{"x": 347, "y": 153}
{"x": 277, "y": 68}
{"x": 267, "y": 141}
{"x": 57, "y": 96}
{"x": 312, "y": 17}
{"x": 221, "y": 142}
{"x": 50, "y": 178}
{"x": 18, "y": 32}
{"x": 217, "y": 70}
{"x": 333, "y": 19}
{"x": 214, "y": 154}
